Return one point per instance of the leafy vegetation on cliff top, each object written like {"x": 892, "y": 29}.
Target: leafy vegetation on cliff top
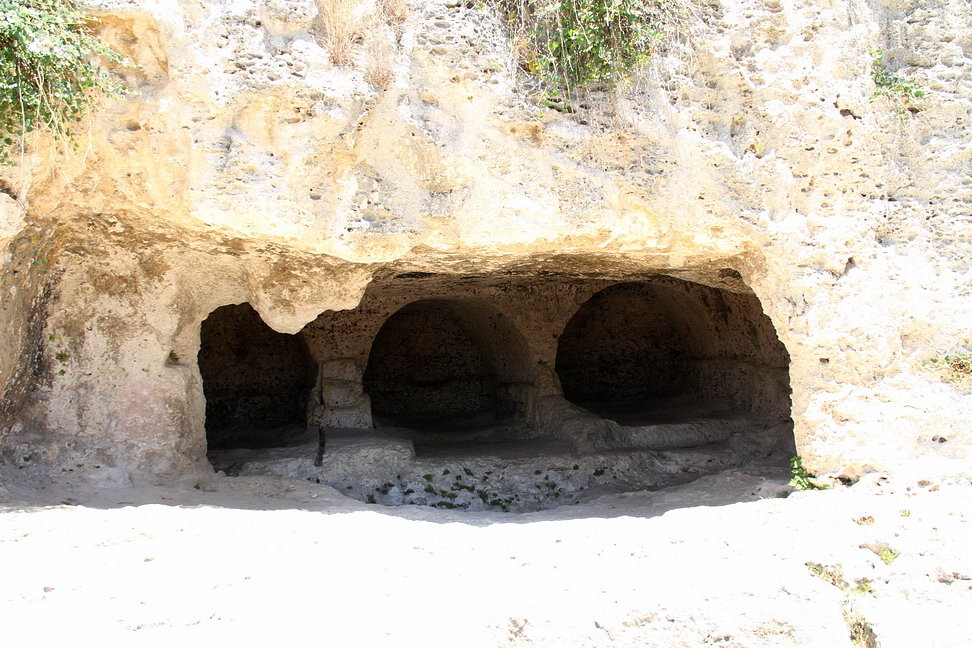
{"x": 572, "y": 42}
{"x": 47, "y": 72}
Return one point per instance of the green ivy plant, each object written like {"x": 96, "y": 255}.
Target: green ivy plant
{"x": 903, "y": 93}
{"x": 571, "y": 43}
{"x": 48, "y": 75}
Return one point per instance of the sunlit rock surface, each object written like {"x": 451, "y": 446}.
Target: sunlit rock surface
{"x": 750, "y": 164}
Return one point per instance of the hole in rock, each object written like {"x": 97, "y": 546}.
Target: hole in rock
{"x": 672, "y": 352}
{"x": 439, "y": 373}
{"x": 256, "y": 381}
{"x": 511, "y": 391}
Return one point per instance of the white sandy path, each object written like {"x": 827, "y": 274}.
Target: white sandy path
{"x": 239, "y": 565}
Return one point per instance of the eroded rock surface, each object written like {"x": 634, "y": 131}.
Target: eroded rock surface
{"x": 243, "y": 166}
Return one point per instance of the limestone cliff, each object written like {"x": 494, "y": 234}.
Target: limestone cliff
{"x": 243, "y": 165}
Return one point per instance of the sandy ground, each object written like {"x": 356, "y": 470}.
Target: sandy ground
{"x": 716, "y": 562}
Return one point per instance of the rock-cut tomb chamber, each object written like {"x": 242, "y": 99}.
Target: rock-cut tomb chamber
{"x": 501, "y": 380}
{"x": 477, "y": 296}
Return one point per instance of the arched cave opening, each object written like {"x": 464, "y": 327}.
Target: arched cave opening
{"x": 672, "y": 351}
{"x": 470, "y": 391}
{"x": 256, "y": 381}
{"x": 444, "y": 373}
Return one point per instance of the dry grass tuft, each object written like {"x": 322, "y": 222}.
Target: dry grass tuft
{"x": 394, "y": 11}
{"x": 379, "y": 57}
{"x": 339, "y": 22}
{"x": 344, "y": 23}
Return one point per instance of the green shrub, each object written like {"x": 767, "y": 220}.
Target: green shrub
{"x": 571, "y": 42}
{"x": 47, "y": 74}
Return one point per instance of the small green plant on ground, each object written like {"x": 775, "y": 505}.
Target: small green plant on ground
{"x": 861, "y": 632}
{"x": 833, "y": 574}
{"x": 571, "y": 43}
{"x": 956, "y": 365}
{"x": 903, "y": 93}
{"x": 888, "y": 555}
{"x": 48, "y": 77}
{"x": 758, "y": 147}
{"x": 863, "y": 586}
{"x": 802, "y": 478}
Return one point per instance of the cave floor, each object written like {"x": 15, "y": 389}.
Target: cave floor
{"x": 485, "y": 434}
{"x": 484, "y": 462}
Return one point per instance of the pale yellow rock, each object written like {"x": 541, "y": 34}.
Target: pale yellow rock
{"x": 244, "y": 166}
{"x": 12, "y": 218}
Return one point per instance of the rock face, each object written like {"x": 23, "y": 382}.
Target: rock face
{"x": 747, "y": 219}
